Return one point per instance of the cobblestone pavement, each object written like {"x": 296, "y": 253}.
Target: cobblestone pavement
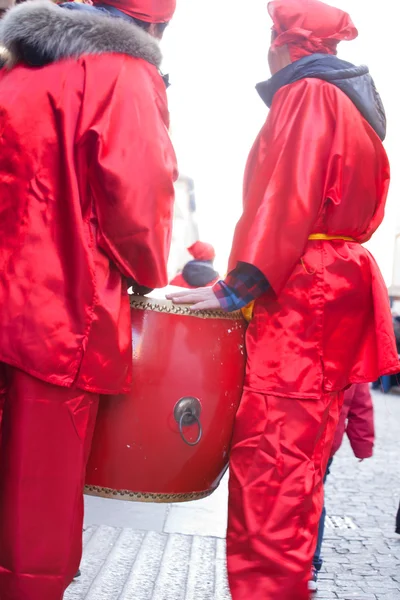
{"x": 177, "y": 552}
{"x": 364, "y": 563}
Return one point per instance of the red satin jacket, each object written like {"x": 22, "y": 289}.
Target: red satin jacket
{"x": 86, "y": 198}
{"x": 316, "y": 167}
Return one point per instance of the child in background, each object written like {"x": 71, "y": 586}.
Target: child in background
{"x": 200, "y": 271}
{"x": 357, "y": 421}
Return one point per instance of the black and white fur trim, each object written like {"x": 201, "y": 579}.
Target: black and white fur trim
{"x": 56, "y": 33}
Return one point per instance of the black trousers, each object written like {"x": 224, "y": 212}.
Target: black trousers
{"x": 398, "y": 522}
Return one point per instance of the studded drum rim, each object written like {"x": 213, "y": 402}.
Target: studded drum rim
{"x": 102, "y": 492}
{"x": 168, "y": 307}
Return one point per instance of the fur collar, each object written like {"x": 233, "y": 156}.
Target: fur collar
{"x": 42, "y": 29}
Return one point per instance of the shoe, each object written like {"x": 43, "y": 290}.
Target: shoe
{"x": 78, "y": 574}
{"x": 313, "y": 581}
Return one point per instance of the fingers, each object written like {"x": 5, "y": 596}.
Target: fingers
{"x": 189, "y": 297}
{"x": 196, "y": 293}
{"x": 200, "y": 299}
{"x": 177, "y": 295}
{"x": 183, "y": 298}
{"x": 206, "y": 305}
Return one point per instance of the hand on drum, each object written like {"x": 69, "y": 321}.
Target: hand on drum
{"x": 200, "y": 299}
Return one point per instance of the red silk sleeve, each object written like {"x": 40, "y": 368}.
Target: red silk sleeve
{"x": 285, "y": 181}
{"x": 133, "y": 168}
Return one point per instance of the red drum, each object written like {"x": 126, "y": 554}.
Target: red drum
{"x": 168, "y": 440}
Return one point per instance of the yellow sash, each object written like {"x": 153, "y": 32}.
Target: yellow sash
{"x": 325, "y": 236}
{"x": 247, "y": 311}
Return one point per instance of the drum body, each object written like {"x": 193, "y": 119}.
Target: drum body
{"x": 168, "y": 440}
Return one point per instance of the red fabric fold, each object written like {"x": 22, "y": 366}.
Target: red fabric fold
{"x": 86, "y": 199}
{"x": 279, "y": 455}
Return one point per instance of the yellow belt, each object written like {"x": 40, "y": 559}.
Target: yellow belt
{"x": 325, "y": 236}
{"x": 247, "y": 311}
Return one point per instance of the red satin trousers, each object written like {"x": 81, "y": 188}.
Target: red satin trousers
{"x": 45, "y": 438}
{"x": 280, "y": 451}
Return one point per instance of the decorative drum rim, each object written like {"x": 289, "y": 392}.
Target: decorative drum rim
{"x": 103, "y": 492}
{"x": 167, "y": 307}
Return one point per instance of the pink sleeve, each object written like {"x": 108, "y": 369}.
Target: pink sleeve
{"x": 360, "y": 426}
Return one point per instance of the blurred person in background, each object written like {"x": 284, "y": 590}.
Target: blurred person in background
{"x": 200, "y": 271}
{"x": 357, "y": 422}
{"x": 386, "y": 383}
{"x": 315, "y": 190}
{"x": 87, "y": 173}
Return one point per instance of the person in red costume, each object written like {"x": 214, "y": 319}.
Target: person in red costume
{"x": 315, "y": 189}
{"x": 86, "y": 202}
{"x": 198, "y": 272}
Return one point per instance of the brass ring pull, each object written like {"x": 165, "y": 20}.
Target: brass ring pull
{"x": 187, "y": 412}
{"x": 181, "y": 425}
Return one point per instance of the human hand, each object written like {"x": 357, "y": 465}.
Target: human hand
{"x": 199, "y": 299}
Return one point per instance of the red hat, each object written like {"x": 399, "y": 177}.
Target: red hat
{"x": 150, "y": 11}
{"x": 309, "y": 27}
{"x": 202, "y": 251}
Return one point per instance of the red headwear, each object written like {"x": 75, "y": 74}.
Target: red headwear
{"x": 150, "y": 11}
{"x": 309, "y": 27}
{"x": 202, "y": 251}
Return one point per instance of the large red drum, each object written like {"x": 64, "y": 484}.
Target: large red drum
{"x": 168, "y": 440}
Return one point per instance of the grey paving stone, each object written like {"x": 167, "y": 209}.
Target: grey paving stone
{"x": 172, "y": 578}
{"x": 132, "y": 515}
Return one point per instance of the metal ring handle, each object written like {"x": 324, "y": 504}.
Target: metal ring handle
{"x": 197, "y": 420}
